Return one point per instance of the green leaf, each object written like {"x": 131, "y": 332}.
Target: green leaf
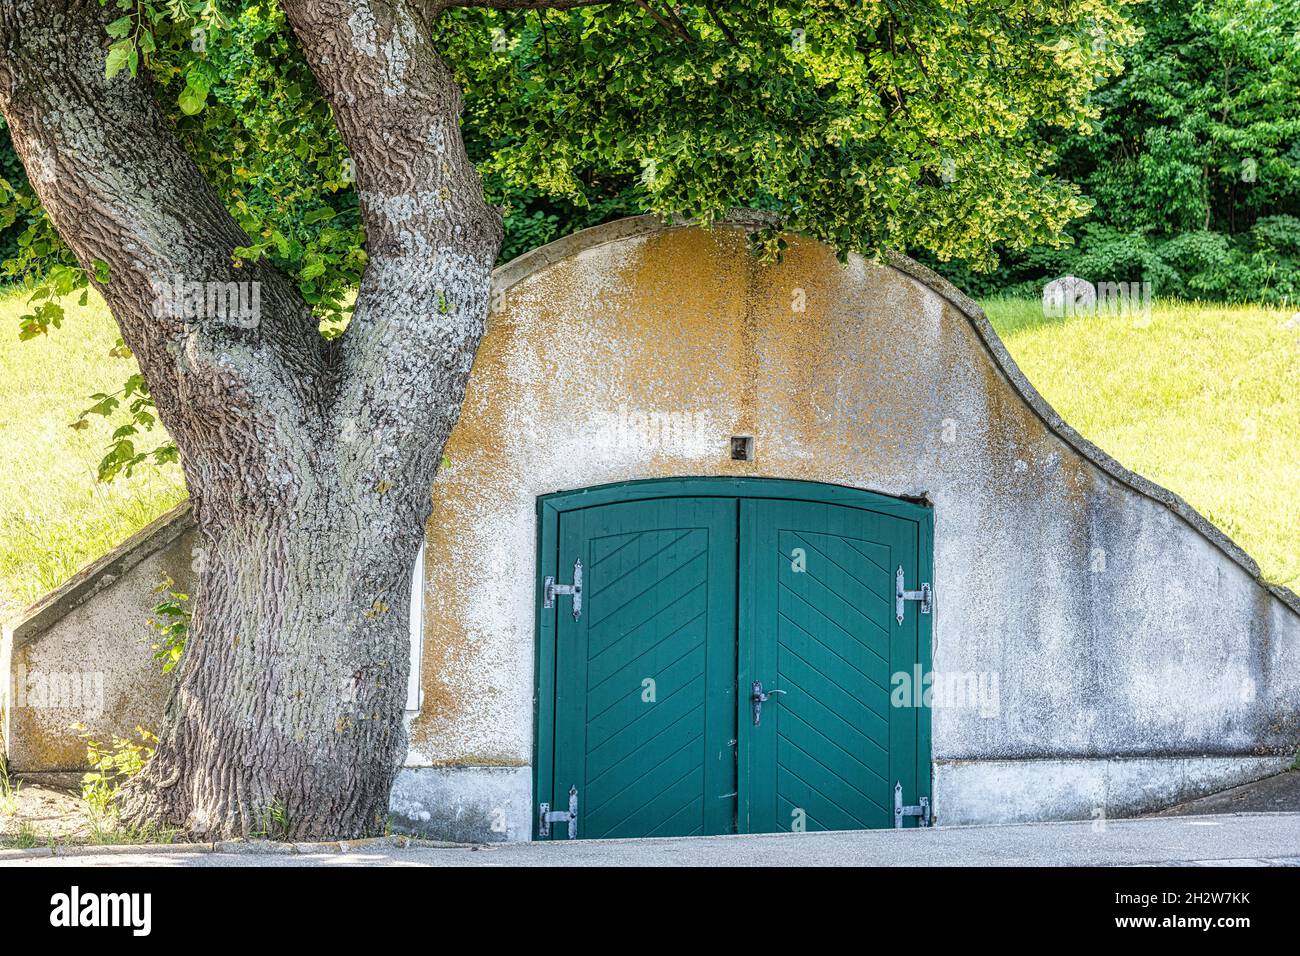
{"x": 121, "y": 26}
{"x": 118, "y": 58}
{"x": 191, "y": 101}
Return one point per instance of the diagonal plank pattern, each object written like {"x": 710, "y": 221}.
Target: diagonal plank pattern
{"x": 832, "y": 655}
{"x": 689, "y": 604}
{"x": 648, "y": 600}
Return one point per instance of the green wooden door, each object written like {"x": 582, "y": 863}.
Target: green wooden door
{"x": 818, "y": 622}
{"x": 645, "y": 677}
{"x": 692, "y": 590}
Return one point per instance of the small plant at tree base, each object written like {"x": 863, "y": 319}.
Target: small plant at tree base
{"x": 113, "y": 765}
{"x": 275, "y": 823}
{"x": 172, "y": 624}
{"x": 25, "y": 839}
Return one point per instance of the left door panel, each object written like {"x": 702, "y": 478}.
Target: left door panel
{"x": 645, "y": 677}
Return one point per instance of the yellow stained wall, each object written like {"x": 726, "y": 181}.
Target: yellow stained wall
{"x": 640, "y": 358}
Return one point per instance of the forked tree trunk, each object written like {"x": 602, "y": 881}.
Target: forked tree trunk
{"x": 309, "y": 464}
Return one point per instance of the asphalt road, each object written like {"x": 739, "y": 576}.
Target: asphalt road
{"x": 1245, "y": 839}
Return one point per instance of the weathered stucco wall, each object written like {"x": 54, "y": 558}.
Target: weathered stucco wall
{"x": 83, "y": 654}
{"x": 1101, "y": 623}
{"x": 1118, "y": 651}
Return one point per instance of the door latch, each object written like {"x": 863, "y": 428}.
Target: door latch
{"x": 546, "y": 816}
{"x": 550, "y": 589}
{"x": 760, "y": 697}
{"x": 920, "y": 809}
{"x": 901, "y": 595}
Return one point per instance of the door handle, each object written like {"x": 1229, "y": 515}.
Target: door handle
{"x": 760, "y": 697}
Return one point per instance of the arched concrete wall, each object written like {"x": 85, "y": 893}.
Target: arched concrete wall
{"x": 1135, "y": 657}
{"x": 1128, "y": 653}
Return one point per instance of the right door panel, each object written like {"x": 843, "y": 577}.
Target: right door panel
{"x": 818, "y": 621}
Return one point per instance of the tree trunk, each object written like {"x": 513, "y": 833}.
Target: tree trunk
{"x": 309, "y": 464}
{"x": 286, "y": 720}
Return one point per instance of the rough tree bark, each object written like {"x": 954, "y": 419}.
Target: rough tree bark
{"x": 309, "y": 464}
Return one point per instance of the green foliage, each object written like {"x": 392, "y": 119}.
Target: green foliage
{"x": 901, "y": 123}
{"x": 891, "y": 124}
{"x": 1194, "y": 167}
{"x": 273, "y": 822}
{"x": 113, "y": 765}
{"x": 172, "y": 625}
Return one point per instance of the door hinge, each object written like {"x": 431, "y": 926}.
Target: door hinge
{"x": 921, "y": 809}
{"x": 901, "y": 594}
{"x": 546, "y": 816}
{"x": 550, "y": 589}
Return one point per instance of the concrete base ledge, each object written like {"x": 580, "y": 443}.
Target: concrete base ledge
{"x": 464, "y": 804}
{"x": 975, "y": 792}
{"x": 495, "y": 805}
{"x": 238, "y": 847}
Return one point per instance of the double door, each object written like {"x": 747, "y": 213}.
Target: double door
{"x": 736, "y": 659}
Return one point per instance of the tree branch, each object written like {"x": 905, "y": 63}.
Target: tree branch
{"x": 120, "y": 190}
{"x": 726, "y": 30}
{"x": 431, "y": 237}
{"x": 674, "y": 28}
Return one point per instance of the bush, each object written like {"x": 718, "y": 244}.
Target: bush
{"x": 1194, "y": 167}
{"x": 113, "y": 765}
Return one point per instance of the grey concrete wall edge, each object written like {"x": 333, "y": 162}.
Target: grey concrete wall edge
{"x": 535, "y": 260}
{"x": 1144, "y": 486}
{"x": 99, "y": 574}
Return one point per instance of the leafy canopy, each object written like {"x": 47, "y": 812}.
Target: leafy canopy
{"x": 867, "y": 124}
{"x": 1194, "y": 167}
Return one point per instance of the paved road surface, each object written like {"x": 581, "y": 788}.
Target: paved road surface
{"x": 1261, "y": 839}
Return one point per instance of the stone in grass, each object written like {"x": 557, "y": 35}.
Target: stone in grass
{"x": 1068, "y": 295}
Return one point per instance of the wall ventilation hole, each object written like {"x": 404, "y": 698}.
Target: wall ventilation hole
{"x": 742, "y": 448}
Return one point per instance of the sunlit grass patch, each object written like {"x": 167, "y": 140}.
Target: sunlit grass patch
{"x": 54, "y": 516}
{"x": 1203, "y": 399}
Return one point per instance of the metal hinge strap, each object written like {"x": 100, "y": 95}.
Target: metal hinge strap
{"x": 921, "y": 809}
{"x": 550, "y": 589}
{"x": 901, "y": 594}
{"x": 546, "y": 816}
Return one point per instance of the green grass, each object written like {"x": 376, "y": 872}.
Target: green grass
{"x": 8, "y": 791}
{"x": 54, "y": 517}
{"x": 1205, "y": 401}
{"x": 25, "y": 839}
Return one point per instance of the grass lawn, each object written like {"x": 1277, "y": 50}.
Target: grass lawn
{"x": 54, "y": 517}
{"x": 1205, "y": 400}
